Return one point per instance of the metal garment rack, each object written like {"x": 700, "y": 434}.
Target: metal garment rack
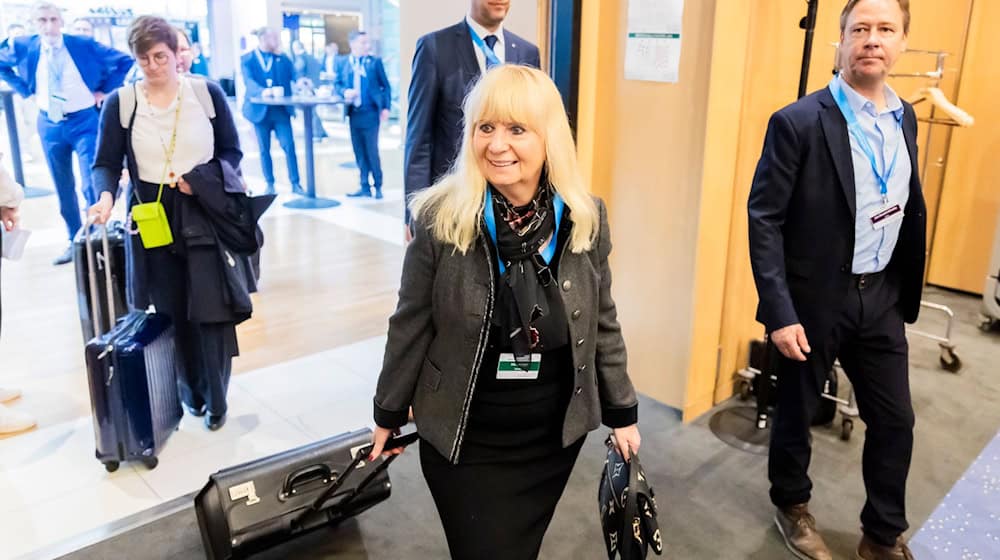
{"x": 948, "y": 358}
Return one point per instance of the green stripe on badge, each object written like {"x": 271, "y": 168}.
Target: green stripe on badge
{"x": 512, "y": 366}
{"x": 654, "y": 35}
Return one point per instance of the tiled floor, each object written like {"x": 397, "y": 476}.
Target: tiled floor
{"x": 52, "y": 489}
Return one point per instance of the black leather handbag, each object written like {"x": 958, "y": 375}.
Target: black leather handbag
{"x": 251, "y": 507}
{"x": 628, "y": 508}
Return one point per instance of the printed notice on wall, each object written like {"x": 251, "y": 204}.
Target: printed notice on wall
{"x": 653, "y": 46}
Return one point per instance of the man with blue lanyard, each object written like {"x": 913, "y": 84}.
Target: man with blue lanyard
{"x": 837, "y": 238}
{"x": 445, "y": 65}
{"x": 362, "y": 82}
{"x": 69, "y": 76}
{"x": 265, "y": 70}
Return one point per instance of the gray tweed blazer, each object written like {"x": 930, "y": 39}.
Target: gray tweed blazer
{"x": 438, "y": 335}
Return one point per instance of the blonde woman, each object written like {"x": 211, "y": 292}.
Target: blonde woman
{"x": 505, "y": 340}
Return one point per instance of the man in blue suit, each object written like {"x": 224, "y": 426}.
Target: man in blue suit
{"x": 265, "y": 68}
{"x": 446, "y": 64}
{"x": 362, "y": 82}
{"x": 837, "y": 224}
{"x": 69, "y": 77}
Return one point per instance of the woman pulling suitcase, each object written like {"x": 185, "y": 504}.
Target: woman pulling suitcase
{"x": 505, "y": 340}
{"x": 176, "y": 143}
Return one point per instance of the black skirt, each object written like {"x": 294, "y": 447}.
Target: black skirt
{"x": 497, "y": 510}
{"x": 497, "y": 502}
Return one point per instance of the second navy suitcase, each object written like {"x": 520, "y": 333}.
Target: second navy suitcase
{"x": 114, "y": 260}
{"x": 132, "y": 373}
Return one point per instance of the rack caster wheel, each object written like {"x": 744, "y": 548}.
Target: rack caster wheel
{"x": 950, "y": 361}
{"x": 151, "y": 462}
{"x": 846, "y": 427}
{"x": 745, "y": 390}
{"x": 111, "y": 466}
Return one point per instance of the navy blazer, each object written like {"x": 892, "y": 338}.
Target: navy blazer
{"x": 282, "y": 72}
{"x": 802, "y": 208}
{"x": 377, "y": 96}
{"x": 444, "y": 69}
{"x": 102, "y": 68}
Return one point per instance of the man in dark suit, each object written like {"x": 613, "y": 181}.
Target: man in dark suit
{"x": 446, "y": 64}
{"x": 69, "y": 77}
{"x": 362, "y": 82}
{"x": 837, "y": 239}
{"x": 265, "y": 69}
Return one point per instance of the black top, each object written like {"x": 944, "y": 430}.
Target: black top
{"x": 520, "y": 420}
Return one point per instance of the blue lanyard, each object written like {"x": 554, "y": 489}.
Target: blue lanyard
{"x": 859, "y": 134}
{"x": 491, "y": 226}
{"x": 56, "y": 65}
{"x": 490, "y": 54}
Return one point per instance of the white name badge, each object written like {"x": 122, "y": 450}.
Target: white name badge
{"x": 508, "y": 368}
{"x": 886, "y": 216}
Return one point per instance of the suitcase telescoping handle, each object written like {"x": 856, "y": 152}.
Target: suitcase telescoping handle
{"x": 362, "y": 455}
{"x": 96, "y": 313}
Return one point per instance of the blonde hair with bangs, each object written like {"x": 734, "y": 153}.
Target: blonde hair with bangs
{"x": 453, "y": 207}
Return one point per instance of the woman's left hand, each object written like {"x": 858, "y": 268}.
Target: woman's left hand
{"x": 183, "y": 186}
{"x": 627, "y": 439}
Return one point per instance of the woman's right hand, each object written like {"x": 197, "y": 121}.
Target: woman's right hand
{"x": 381, "y": 436}
{"x": 101, "y": 212}
{"x": 8, "y": 218}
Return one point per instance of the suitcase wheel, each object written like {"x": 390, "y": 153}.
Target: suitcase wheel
{"x": 111, "y": 466}
{"x": 151, "y": 462}
{"x": 949, "y": 359}
{"x": 846, "y": 427}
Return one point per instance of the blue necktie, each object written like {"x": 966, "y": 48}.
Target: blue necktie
{"x": 55, "y": 67}
{"x": 491, "y": 41}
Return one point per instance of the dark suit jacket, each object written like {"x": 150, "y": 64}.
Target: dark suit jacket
{"x": 256, "y": 80}
{"x": 102, "y": 68}
{"x": 377, "y": 96}
{"x": 801, "y": 219}
{"x": 444, "y": 69}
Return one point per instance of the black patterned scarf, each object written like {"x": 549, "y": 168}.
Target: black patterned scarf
{"x": 522, "y": 301}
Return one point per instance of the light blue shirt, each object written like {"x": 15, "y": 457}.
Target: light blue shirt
{"x": 873, "y": 247}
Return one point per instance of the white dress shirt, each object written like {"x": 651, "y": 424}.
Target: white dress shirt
{"x": 498, "y": 48}
{"x": 154, "y": 127}
{"x": 78, "y": 96}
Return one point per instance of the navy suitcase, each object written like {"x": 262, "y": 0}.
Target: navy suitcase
{"x": 132, "y": 372}
{"x": 113, "y": 260}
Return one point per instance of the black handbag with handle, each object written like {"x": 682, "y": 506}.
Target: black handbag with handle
{"x": 628, "y": 508}
{"x": 251, "y": 507}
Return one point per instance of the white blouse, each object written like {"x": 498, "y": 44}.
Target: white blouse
{"x": 152, "y": 131}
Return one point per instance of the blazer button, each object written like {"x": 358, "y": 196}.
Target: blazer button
{"x": 843, "y": 268}
{"x": 567, "y": 285}
{"x": 578, "y": 391}
{"x": 579, "y": 342}
{"x": 576, "y": 314}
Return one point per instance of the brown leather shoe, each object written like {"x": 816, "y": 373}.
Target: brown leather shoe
{"x": 871, "y": 550}
{"x": 798, "y": 528}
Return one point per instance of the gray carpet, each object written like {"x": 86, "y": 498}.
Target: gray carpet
{"x": 712, "y": 498}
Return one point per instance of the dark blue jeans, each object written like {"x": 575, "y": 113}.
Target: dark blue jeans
{"x": 77, "y": 132}
{"x": 278, "y": 121}
{"x": 364, "y": 139}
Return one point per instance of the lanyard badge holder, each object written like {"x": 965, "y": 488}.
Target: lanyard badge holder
{"x": 888, "y": 213}
{"x": 151, "y": 217}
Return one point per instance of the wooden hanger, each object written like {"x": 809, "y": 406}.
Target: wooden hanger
{"x": 938, "y": 99}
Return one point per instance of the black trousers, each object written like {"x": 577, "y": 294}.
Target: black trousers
{"x": 870, "y": 340}
{"x": 206, "y": 349}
